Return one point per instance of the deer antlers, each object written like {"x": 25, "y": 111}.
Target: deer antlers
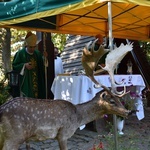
{"x": 91, "y": 57}
{"x": 112, "y": 60}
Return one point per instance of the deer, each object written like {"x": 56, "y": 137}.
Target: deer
{"x": 24, "y": 119}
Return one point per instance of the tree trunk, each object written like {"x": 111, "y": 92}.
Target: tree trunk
{"x": 6, "y": 51}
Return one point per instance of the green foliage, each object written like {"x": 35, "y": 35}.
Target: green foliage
{"x": 59, "y": 40}
{"x": 2, "y": 35}
{"x": 17, "y": 39}
{"x": 7, "y": 52}
{"x": 146, "y": 48}
{"x": 17, "y": 35}
{"x": 3, "y": 92}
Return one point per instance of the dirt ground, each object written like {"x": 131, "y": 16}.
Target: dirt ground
{"x": 136, "y": 135}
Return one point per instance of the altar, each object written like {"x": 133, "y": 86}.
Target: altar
{"x": 80, "y": 89}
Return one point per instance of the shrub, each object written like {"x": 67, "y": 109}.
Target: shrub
{"x": 4, "y": 94}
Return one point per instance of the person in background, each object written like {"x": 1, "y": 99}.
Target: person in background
{"x": 58, "y": 63}
{"x": 30, "y": 65}
{"x": 99, "y": 41}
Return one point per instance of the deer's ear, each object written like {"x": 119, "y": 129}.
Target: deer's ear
{"x": 105, "y": 95}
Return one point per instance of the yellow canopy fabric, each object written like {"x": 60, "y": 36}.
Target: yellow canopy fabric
{"x": 130, "y": 19}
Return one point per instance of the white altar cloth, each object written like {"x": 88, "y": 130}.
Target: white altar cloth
{"x": 79, "y": 89}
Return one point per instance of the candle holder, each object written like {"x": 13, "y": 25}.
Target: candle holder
{"x": 13, "y": 82}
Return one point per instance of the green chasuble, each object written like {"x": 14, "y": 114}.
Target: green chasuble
{"x": 32, "y": 82}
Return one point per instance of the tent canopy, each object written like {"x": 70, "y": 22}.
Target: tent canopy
{"x": 130, "y": 19}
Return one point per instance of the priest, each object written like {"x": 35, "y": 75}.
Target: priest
{"x": 28, "y": 62}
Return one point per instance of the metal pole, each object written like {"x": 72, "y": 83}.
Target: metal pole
{"x": 45, "y": 62}
{"x": 110, "y": 25}
{"x": 111, "y": 48}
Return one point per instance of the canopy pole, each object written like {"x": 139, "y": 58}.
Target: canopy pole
{"x": 111, "y": 48}
{"x": 45, "y": 63}
{"x": 110, "y": 25}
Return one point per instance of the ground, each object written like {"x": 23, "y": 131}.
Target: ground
{"x": 136, "y": 135}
